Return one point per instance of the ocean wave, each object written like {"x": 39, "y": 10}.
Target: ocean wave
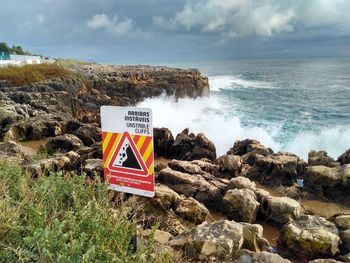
{"x": 207, "y": 115}
{"x": 223, "y": 82}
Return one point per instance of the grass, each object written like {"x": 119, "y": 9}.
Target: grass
{"x": 64, "y": 218}
{"x": 28, "y": 74}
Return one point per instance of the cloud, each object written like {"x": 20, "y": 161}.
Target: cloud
{"x": 41, "y": 19}
{"x": 265, "y": 18}
{"x": 113, "y": 24}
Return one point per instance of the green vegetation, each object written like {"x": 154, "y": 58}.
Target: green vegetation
{"x": 64, "y": 218}
{"x": 18, "y": 50}
{"x": 24, "y": 75}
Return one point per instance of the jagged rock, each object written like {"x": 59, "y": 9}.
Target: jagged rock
{"x": 70, "y": 161}
{"x": 328, "y": 181}
{"x": 189, "y": 147}
{"x": 185, "y": 167}
{"x": 321, "y": 158}
{"x": 163, "y": 139}
{"x": 10, "y": 149}
{"x": 211, "y": 241}
{"x": 253, "y": 237}
{"x": 191, "y": 210}
{"x": 88, "y": 134}
{"x": 65, "y": 143}
{"x": 207, "y": 166}
{"x": 94, "y": 167}
{"x": 344, "y": 158}
{"x": 343, "y": 221}
{"x": 229, "y": 165}
{"x": 241, "y": 205}
{"x": 280, "y": 209}
{"x": 241, "y": 183}
{"x": 345, "y": 238}
{"x": 310, "y": 237}
{"x": 191, "y": 185}
{"x": 277, "y": 169}
{"x": 246, "y": 256}
{"x": 165, "y": 197}
{"x": 247, "y": 146}
{"x": 92, "y": 152}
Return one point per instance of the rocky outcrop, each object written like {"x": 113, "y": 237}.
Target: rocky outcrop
{"x": 163, "y": 139}
{"x": 64, "y": 143}
{"x": 321, "y": 158}
{"x": 344, "y": 158}
{"x": 229, "y": 165}
{"x": 191, "y": 210}
{"x": 253, "y": 237}
{"x": 309, "y": 237}
{"x": 216, "y": 241}
{"x": 241, "y": 183}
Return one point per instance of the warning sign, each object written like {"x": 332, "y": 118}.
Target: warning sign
{"x": 127, "y": 136}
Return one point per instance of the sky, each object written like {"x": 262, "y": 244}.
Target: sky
{"x": 166, "y": 31}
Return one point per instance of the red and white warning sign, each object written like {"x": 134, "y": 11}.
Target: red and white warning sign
{"x": 127, "y": 135}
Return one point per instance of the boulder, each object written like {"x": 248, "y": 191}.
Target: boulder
{"x": 321, "y": 158}
{"x": 229, "y": 165}
{"x": 343, "y": 221}
{"x": 190, "y": 147}
{"x": 88, "y": 134}
{"x": 65, "y": 143}
{"x": 163, "y": 139}
{"x": 310, "y": 237}
{"x": 345, "y": 238}
{"x": 326, "y": 181}
{"x": 248, "y": 146}
{"x": 277, "y": 169}
{"x": 253, "y": 237}
{"x": 280, "y": 209}
{"x": 344, "y": 158}
{"x": 191, "y": 210}
{"x": 94, "y": 167}
{"x": 10, "y": 149}
{"x": 207, "y": 166}
{"x": 185, "y": 167}
{"x": 325, "y": 260}
{"x": 216, "y": 241}
{"x": 241, "y": 182}
{"x": 246, "y": 256}
{"x": 191, "y": 185}
{"x": 165, "y": 198}
{"x": 241, "y": 205}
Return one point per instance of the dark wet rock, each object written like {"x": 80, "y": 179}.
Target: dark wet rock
{"x": 241, "y": 205}
{"x": 189, "y": 147}
{"x": 92, "y": 152}
{"x": 64, "y": 143}
{"x": 246, "y": 256}
{"x": 344, "y": 158}
{"x": 191, "y": 210}
{"x": 229, "y": 165}
{"x": 309, "y": 237}
{"x": 249, "y": 147}
{"x": 88, "y": 134}
{"x": 163, "y": 139}
{"x": 277, "y": 169}
{"x": 280, "y": 209}
{"x": 345, "y": 239}
{"x": 321, "y": 158}
{"x": 212, "y": 242}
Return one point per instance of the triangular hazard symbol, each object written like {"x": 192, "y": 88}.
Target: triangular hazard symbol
{"x": 127, "y": 159}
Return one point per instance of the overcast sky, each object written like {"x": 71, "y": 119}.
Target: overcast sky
{"x": 166, "y": 31}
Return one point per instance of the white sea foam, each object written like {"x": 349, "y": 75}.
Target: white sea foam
{"x": 229, "y": 82}
{"x": 207, "y": 115}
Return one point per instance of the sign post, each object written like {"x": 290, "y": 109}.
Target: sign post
{"x": 127, "y": 144}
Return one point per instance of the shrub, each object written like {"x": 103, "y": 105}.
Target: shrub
{"x": 28, "y": 74}
{"x": 63, "y": 218}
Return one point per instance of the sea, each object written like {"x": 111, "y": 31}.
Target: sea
{"x": 289, "y": 105}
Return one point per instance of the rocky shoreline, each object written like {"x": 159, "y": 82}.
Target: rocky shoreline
{"x": 209, "y": 208}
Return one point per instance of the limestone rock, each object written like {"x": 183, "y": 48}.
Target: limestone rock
{"x": 211, "y": 241}
{"x": 343, "y": 221}
{"x": 64, "y": 143}
{"x": 280, "y": 209}
{"x": 185, "y": 167}
{"x": 191, "y": 210}
{"x": 10, "y": 149}
{"x": 241, "y": 205}
{"x": 94, "y": 167}
{"x": 230, "y": 165}
{"x": 247, "y": 146}
{"x": 207, "y": 166}
{"x": 321, "y": 158}
{"x": 165, "y": 197}
{"x": 163, "y": 139}
{"x": 241, "y": 183}
{"x": 253, "y": 237}
{"x": 310, "y": 237}
{"x": 345, "y": 238}
{"x": 246, "y": 256}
